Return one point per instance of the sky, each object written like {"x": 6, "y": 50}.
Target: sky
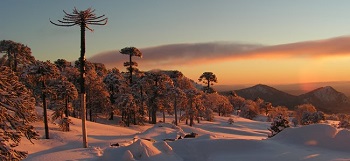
{"x": 242, "y": 42}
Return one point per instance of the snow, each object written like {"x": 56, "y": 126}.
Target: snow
{"x": 217, "y": 141}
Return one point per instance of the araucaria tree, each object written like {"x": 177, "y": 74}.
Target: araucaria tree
{"x": 16, "y": 54}
{"x": 82, "y": 19}
{"x": 209, "y": 78}
{"x": 16, "y": 112}
{"x": 42, "y": 72}
{"x": 131, "y": 65}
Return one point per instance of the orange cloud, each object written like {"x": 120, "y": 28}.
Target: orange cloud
{"x": 189, "y": 54}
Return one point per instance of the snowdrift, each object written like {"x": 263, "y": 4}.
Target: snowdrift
{"x": 326, "y": 143}
{"x": 245, "y": 140}
{"x": 317, "y": 135}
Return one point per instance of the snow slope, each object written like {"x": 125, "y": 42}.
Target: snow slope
{"x": 217, "y": 141}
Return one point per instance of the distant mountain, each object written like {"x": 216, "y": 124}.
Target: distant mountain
{"x": 326, "y": 99}
{"x": 269, "y": 94}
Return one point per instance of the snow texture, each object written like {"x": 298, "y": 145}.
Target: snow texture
{"x": 217, "y": 141}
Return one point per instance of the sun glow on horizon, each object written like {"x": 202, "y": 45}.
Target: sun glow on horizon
{"x": 274, "y": 71}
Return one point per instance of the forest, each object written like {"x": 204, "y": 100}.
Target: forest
{"x": 88, "y": 90}
{"x": 136, "y": 96}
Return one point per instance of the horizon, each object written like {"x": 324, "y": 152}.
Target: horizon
{"x": 241, "y": 42}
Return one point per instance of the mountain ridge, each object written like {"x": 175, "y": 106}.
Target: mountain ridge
{"x": 326, "y": 99}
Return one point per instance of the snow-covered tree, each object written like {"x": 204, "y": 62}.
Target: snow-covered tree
{"x": 312, "y": 117}
{"x": 17, "y": 111}
{"x": 17, "y": 54}
{"x": 138, "y": 90}
{"x": 279, "y": 123}
{"x": 236, "y": 101}
{"x": 43, "y": 72}
{"x": 299, "y": 115}
{"x": 179, "y": 100}
{"x": 194, "y": 104}
{"x": 208, "y": 78}
{"x": 249, "y": 110}
{"x": 127, "y": 102}
{"x": 155, "y": 83}
{"x": 181, "y": 83}
{"x": 97, "y": 95}
{"x": 116, "y": 85}
{"x": 276, "y": 111}
{"x": 63, "y": 93}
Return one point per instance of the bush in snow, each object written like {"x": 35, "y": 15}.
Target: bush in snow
{"x": 344, "y": 124}
{"x": 278, "y": 124}
{"x": 230, "y": 121}
{"x": 301, "y": 109}
{"x": 249, "y": 110}
{"x": 276, "y": 111}
{"x": 344, "y": 121}
{"x": 312, "y": 118}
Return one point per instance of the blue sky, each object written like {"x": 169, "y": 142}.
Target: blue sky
{"x": 143, "y": 24}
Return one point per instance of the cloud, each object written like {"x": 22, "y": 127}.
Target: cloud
{"x": 191, "y": 53}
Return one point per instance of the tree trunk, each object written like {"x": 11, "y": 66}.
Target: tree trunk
{"x": 180, "y": 115}
{"x": 191, "y": 114}
{"x": 90, "y": 115}
{"x": 130, "y": 70}
{"x": 134, "y": 112}
{"x": 163, "y": 115}
{"x": 191, "y": 119}
{"x": 149, "y": 116}
{"x": 111, "y": 98}
{"x": 208, "y": 84}
{"x": 154, "y": 114}
{"x": 66, "y": 109}
{"x": 45, "y": 112}
{"x": 175, "y": 110}
{"x": 111, "y": 115}
{"x": 82, "y": 82}
{"x": 15, "y": 62}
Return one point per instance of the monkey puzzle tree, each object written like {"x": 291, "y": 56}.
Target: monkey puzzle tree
{"x": 17, "y": 111}
{"x": 82, "y": 19}
{"x": 16, "y": 54}
{"x": 115, "y": 84}
{"x": 208, "y": 78}
{"x": 131, "y": 51}
{"x": 42, "y": 71}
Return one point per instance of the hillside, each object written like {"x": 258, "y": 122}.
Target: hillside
{"x": 218, "y": 140}
{"x": 268, "y": 94}
{"x": 326, "y": 99}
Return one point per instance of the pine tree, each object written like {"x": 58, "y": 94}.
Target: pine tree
{"x": 16, "y": 113}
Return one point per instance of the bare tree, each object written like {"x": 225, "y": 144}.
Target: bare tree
{"x": 83, "y": 19}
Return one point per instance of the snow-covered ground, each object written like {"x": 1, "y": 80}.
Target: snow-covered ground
{"x": 244, "y": 140}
